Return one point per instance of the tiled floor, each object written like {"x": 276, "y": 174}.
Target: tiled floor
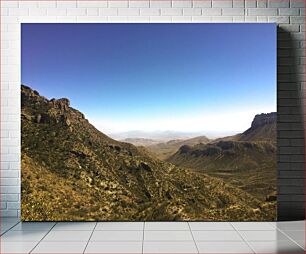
{"x": 152, "y": 237}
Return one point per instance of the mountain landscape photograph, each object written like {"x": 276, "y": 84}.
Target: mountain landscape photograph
{"x": 148, "y": 122}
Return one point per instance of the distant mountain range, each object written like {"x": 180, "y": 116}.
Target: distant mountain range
{"x": 165, "y": 149}
{"x": 73, "y": 172}
{"x": 161, "y": 136}
{"x": 246, "y": 160}
{"x": 141, "y": 141}
{"x": 263, "y": 128}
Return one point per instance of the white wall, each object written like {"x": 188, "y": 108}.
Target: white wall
{"x": 290, "y": 14}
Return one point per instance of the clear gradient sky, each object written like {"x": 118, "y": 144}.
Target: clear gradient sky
{"x": 182, "y": 77}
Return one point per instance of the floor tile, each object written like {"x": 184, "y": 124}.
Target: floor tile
{"x": 60, "y": 247}
{"x": 69, "y": 236}
{"x": 297, "y": 235}
{"x": 3, "y": 230}
{"x": 216, "y": 236}
{"x": 211, "y": 226}
{"x": 119, "y": 226}
{"x": 8, "y": 224}
{"x": 9, "y": 220}
{"x": 22, "y": 236}
{"x": 166, "y": 226}
{"x": 252, "y": 226}
{"x": 114, "y": 247}
{"x": 63, "y": 226}
{"x": 33, "y": 226}
{"x": 301, "y": 243}
{"x": 5, "y": 226}
{"x": 17, "y": 247}
{"x": 167, "y": 236}
{"x": 169, "y": 247}
{"x": 224, "y": 247}
{"x": 273, "y": 235}
{"x": 160, "y": 237}
{"x": 290, "y": 225}
{"x": 276, "y": 247}
{"x": 101, "y": 236}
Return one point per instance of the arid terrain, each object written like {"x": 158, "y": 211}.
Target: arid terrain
{"x": 73, "y": 172}
{"x": 246, "y": 160}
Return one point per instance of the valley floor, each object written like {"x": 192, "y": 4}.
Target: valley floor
{"x": 152, "y": 237}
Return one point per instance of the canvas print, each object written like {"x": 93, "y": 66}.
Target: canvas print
{"x": 148, "y": 122}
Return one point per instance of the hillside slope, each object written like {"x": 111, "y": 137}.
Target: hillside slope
{"x": 246, "y": 160}
{"x": 72, "y": 171}
{"x": 263, "y": 128}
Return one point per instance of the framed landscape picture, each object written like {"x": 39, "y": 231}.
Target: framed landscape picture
{"x": 148, "y": 122}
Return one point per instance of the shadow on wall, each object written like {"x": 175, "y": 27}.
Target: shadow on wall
{"x": 290, "y": 125}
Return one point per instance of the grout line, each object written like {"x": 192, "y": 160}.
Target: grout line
{"x": 164, "y": 230}
{"x": 193, "y": 237}
{"x": 273, "y": 225}
{"x": 42, "y": 238}
{"x": 10, "y": 228}
{"x": 90, "y": 237}
{"x": 126, "y": 230}
{"x": 247, "y": 243}
{"x": 143, "y": 232}
{"x": 290, "y": 238}
{"x": 232, "y": 226}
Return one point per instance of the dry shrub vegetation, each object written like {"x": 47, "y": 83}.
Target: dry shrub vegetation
{"x": 73, "y": 172}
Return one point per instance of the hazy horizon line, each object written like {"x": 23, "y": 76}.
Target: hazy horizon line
{"x": 172, "y": 134}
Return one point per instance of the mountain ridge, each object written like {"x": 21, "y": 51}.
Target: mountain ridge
{"x": 164, "y": 149}
{"x": 73, "y": 172}
{"x": 246, "y": 160}
{"x": 263, "y": 128}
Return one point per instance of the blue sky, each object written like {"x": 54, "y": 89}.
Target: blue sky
{"x": 183, "y": 77}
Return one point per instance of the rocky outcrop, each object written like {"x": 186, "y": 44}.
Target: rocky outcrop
{"x": 263, "y": 119}
{"x": 263, "y": 128}
{"x": 61, "y": 104}
{"x": 46, "y": 111}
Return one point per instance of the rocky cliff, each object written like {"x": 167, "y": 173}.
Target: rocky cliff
{"x": 246, "y": 160}
{"x": 263, "y": 127}
{"x": 264, "y": 119}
